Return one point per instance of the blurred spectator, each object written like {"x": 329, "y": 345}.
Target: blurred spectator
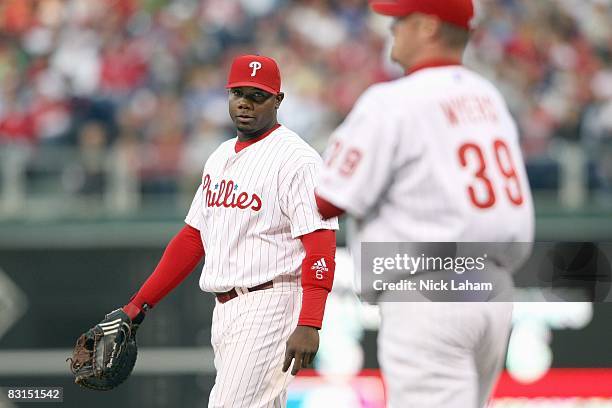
{"x": 162, "y": 155}
{"x": 88, "y": 176}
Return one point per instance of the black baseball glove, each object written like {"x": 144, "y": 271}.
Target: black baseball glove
{"x": 105, "y": 355}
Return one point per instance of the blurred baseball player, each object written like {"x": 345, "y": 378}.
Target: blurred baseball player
{"x": 432, "y": 157}
{"x": 256, "y": 217}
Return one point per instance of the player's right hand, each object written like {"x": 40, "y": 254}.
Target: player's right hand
{"x": 302, "y": 347}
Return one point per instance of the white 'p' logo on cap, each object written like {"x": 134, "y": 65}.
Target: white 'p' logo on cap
{"x": 255, "y": 65}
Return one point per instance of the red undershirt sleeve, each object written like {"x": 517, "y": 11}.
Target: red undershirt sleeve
{"x": 327, "y": 209}
{"x": 318, "y": 269}
{"x": 181, "y": 256}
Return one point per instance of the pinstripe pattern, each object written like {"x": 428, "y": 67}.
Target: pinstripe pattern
{"x": 245, "y": 248}
{"x": 249, "y": 336}
{"x": 249, "y": 241}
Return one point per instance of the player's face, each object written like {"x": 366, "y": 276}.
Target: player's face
{"x": 253, "y": 110}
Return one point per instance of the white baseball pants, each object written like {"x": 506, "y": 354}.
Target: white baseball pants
{"x": 442, "y": 355}
{"x": 249, "y": 335}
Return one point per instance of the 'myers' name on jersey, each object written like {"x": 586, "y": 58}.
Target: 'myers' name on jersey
{"x": 225, "y": 194}
{"x": 469, "y": 109}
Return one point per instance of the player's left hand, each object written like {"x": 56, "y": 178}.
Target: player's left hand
{"x": 301, "y": 346}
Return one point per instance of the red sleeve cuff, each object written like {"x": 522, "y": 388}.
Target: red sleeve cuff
{"x": 313, "y": 307}
{"x": 132, "y": 310}
{"x": 327, "y": 209}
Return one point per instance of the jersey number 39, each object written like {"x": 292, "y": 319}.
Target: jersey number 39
{"x": 471, "y": 156}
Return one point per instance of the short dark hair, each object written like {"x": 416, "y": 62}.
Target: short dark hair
{"x": 454, "y": 36}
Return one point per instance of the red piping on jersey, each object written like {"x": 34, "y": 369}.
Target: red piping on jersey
{"x": 242, "y": 144}
{"x": 327, "y": 209}
{"x": 433, "y": 63}
{"x": 181, "y": 256}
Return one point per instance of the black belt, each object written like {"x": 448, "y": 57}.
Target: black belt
{"x": 229, "y": 295}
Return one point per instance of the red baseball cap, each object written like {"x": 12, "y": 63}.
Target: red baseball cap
{"x": 457, "y": 12}
{"x": 255, "y": 70}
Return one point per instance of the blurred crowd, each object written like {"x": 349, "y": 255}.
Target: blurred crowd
{"x": 144, "y": 79}
{"x": 552, "y": 59}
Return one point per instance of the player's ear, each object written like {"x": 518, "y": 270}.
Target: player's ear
{"x": 279, "y": 98}
{"x": 429, "y": 26}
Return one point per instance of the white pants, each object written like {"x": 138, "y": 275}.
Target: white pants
{"x": 442, "y": 355}
{"x": 249, "y": 335}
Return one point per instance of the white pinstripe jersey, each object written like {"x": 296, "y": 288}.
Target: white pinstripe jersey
{"x": 433, "y": 156}
{"x": 251, "y": 208}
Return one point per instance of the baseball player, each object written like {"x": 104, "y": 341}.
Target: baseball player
{"x": 269, "y": 254}
{"x": 432, "y": 157}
